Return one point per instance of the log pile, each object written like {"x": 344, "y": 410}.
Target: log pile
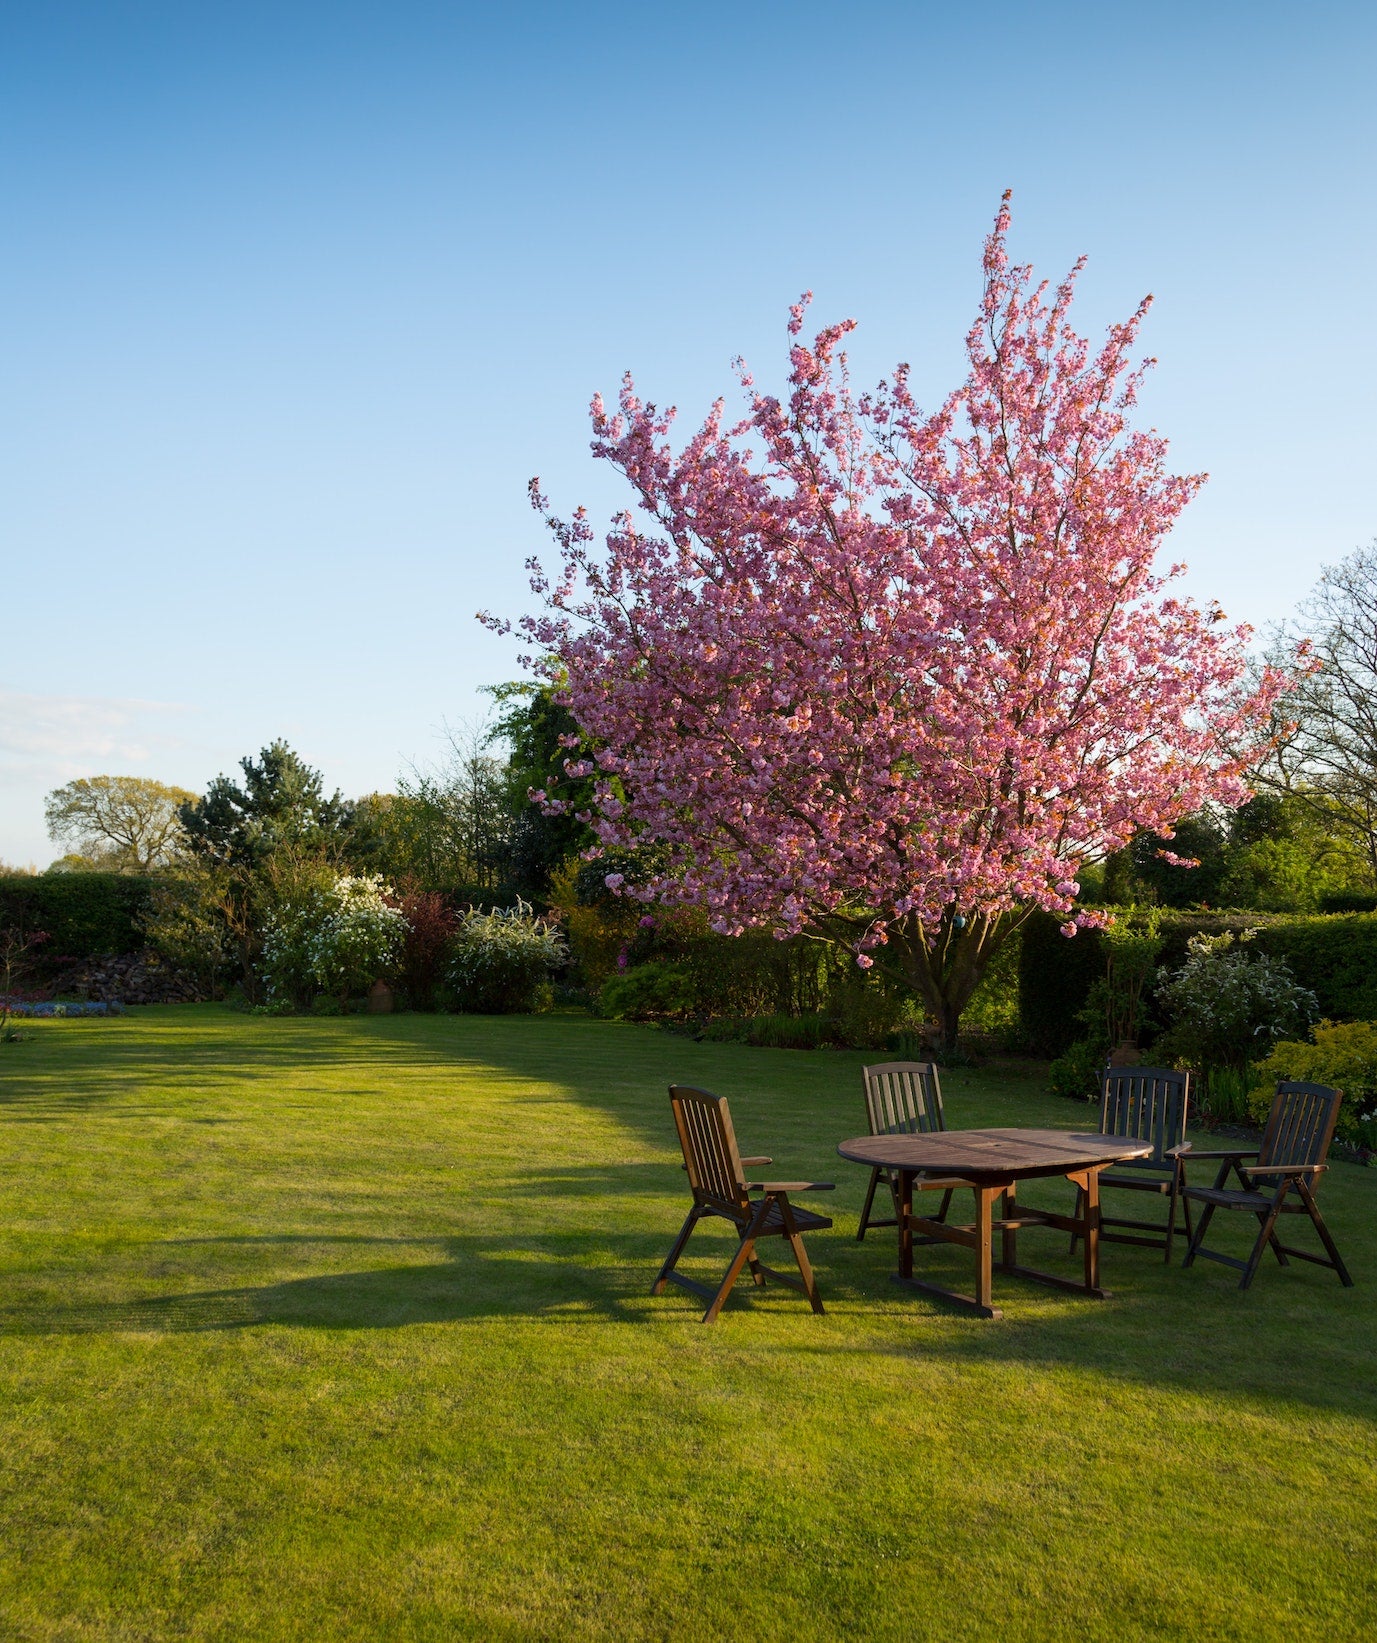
{"x": 134, "y": 978}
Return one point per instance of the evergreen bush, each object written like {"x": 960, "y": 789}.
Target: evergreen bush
{"x": 1055, "y": 975}
{"x": 648, "y": 991}
{"x": 1226, "y": 1004}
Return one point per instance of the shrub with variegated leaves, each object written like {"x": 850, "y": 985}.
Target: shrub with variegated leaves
{"x": 503, "y": 961}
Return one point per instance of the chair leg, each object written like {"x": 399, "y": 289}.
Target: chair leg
{"x": 1198, "y": 1237}
{"x": 745, "y": 1252}
{"x": 757, "y": 1272}
{"x": 869, "y": 1200}
{"x": 1331, "y": 1248}
{"x": 1268, "y": 1220}
{"x": 1171, "y": 1210}
{"x": 941, "y": 1214}
{"x": 1274, "y": 1241}
{"x": 810, "y": 1286}
{"x": 672, "y": 1259}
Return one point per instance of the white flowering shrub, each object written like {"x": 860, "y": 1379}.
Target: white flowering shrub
{"x": 502, "y": 961}
{"x": 1226, "y": 1007}
{"x": 285, "y": 962}
{"x": 358, "y": 937}
{"x": 340, "y": 939}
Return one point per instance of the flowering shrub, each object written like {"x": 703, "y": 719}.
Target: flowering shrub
{"x": 1344, "y": 1056}
{"x": 339, "y": 938}
{"x": 359, "y": 935}
{"x": 503, "y": 959}
{"x": 285, "y": 964}
{"x": 1226, "y": 1006}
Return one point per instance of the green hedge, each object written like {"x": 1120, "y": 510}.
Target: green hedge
{"x": 1055, "y": 973}
{"x": 86, "y": 915}
{"x": 1335, "y": 955}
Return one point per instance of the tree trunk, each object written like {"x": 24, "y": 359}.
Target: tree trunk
{"x": 945, "y": 966}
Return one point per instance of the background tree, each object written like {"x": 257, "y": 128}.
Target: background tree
{"x": 896, "y": 679}
{"x": 447, "y": 827}
{"x": 540, "y": 734}
{"x": 281, "y": 805}
{"x": 1276, "y": 853}
{"x": 1326, "y": 762}
{"x": 124, "y": 823}
{"x": 269, "y": 843}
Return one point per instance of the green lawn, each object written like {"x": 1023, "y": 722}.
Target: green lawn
{"x": 341, "y": 1329}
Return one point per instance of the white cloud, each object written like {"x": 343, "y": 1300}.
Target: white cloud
{"x": 63, "y": 731}
{"x": 48, "y": 740}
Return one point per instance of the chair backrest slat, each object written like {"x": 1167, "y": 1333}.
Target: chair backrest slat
{"x": 1301, "y": 1124}
{"x": 711, "y": 1157}
{"x": 1146, "y": 1104}
{"x": 903, "y": 1098}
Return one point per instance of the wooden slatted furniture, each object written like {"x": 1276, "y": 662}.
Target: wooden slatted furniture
{"x": 1148, "y": 1104}
{"x": 1293, "y": 1154}
{"x": 717, "y": 1177}
{"x": 903, "y": 1098}
{"x": 993, "y": 1162}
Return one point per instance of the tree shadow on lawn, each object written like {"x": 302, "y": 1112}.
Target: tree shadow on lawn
{"x": 1297, "y": 1335}
{"x": 1291, "y": 1339}
{"x": 482, "y": 1277}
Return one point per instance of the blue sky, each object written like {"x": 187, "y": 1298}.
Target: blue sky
{"x": 296, "y": 298}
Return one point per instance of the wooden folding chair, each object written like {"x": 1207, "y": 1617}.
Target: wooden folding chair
{"x": 903, "y": 1098}
{"x": 1295, "y": 1146}
{"x": 717, "y": 1177}
{"x": 1146, "y": 1104}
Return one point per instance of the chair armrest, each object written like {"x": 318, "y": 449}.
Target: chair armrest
{"x": 1181, "y": 1149}
{"x": 1286, "y": 1169}
{"x": 1228, "y": 1152}
{"x": 756, "y": 1163}
{"x": 793, "y": 1186}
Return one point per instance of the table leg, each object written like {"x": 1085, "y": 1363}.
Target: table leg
{"x": 1092, "y": 1229}
{"x": 984, "y": 1250}
{"x": 905, "y": 1223}
{"x": 1009, "y": 1234}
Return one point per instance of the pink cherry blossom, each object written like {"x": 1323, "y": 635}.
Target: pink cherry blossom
{"x": 892, "y": 677}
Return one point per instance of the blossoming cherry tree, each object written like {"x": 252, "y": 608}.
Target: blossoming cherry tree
{"x": 892, "y": 677}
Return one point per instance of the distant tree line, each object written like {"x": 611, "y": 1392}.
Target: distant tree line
{"x": 463, "y": 830}
{"x": 1307, "y": 842}
{"x": 228, "y": 863}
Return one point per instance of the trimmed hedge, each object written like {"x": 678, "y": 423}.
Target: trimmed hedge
{"x": 1334, "y": 955}
{"x": 1055, "y": 973}
{"x": 86, "y": 915}
{"x": 1349, "y": 901}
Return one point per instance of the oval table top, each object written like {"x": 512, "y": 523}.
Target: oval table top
{"x": 977, "y": 1154}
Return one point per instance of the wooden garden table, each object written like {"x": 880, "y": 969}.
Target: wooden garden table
{"x": 991, "y": 1163}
